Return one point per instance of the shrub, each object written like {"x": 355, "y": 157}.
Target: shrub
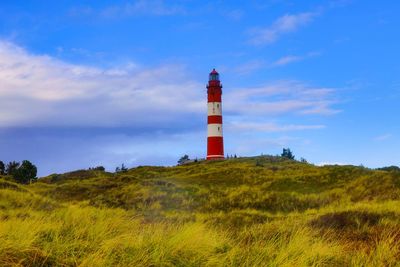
{"x": 286, "y": 153}
{"x": 121, "y": 169}
{"x": 11, "y": 167}
{"x": 390, "y": 169}
{"x": 25, "y": 173}
{"x": 184, "y": 159}
{"x": 98, "y": 168}
{"x": 2, "y": 168}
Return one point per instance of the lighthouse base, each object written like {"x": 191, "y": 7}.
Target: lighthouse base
{"x": 215, "y": 147}
{"x": 215, "y": 157}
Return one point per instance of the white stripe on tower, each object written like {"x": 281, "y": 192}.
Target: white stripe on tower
{"x": 214, "y": 109}
{"x": 214, "y": 129}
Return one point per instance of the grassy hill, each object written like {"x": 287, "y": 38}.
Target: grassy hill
{"x": 260, "y": 211}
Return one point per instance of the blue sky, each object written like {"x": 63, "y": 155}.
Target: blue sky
{"x": 87, "y": 83}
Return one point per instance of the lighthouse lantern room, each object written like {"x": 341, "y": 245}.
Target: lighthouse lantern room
{"x": 215, "y": 141}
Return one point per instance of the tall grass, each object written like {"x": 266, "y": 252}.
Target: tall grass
{"x": 227, "y": 213}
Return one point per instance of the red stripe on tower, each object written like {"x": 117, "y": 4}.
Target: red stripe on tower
{"x": 215, "y": 141}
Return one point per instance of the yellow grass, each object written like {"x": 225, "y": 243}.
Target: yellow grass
{"x": 145, "y": 220}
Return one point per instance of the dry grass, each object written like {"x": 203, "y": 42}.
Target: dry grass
{"x": 231, "y": 213}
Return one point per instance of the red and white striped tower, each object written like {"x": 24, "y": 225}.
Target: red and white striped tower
{"x": 215, "y": 141}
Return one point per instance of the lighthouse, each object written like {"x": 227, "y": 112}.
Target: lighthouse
{"x": 215, "y": 141}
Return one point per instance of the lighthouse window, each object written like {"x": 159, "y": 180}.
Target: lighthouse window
{"x": 218, "y": 129}
{"x": 214, "y": 77}
{"x": 217, "y": 105}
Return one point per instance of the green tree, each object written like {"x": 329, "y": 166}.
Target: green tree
{"x": 25, "y": 173}
{"x": 303, "y": 160}
{"x": 97, "y": 168}
{"x": 286, "y": 153}
{"x": 11, "y": 167}
{"x": 121, "y": 169}
{"x": 2, "y": 168}
{"x": 100, "y": 168}
{"x": 183, "y": 159}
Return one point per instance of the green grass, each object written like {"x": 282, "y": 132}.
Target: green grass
{"x": 262, "y": 211}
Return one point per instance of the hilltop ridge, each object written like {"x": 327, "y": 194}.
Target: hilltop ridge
{"x": 266, "y": 183}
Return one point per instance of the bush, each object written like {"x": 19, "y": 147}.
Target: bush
{"x": 390, "y": 169}
{"x": 184, "y": 159}
{"x": 2, "y": 168}
{"x": 121, "y": 169}
{"x": 286, "y": 153}
{"x": 11, "y": 167}
{"x": 98, "y": 168}
{"x": 25, "y": 173}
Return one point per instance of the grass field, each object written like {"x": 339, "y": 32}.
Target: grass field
{"x": 260, "y": 211}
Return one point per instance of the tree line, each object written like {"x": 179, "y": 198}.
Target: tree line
{"x": 24, "y": 172}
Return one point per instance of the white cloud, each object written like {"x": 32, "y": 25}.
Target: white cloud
{"x": 269, "y": 127}
{"x": 254, "y": 65}
{"x": 280, "y": 98}
{"x": 283, "y": 25}
{"x": 286, "y": 60}
{"x": 383, "y": 137}
{"x": 283, "y": 61}
{"x": 37, "y": 90}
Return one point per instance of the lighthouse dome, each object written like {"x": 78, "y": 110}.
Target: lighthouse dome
{"x": 214, "y": 76}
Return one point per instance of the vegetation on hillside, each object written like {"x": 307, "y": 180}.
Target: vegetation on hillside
{"x": 23, "y": 173}
{"x": 261, "y": 211}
